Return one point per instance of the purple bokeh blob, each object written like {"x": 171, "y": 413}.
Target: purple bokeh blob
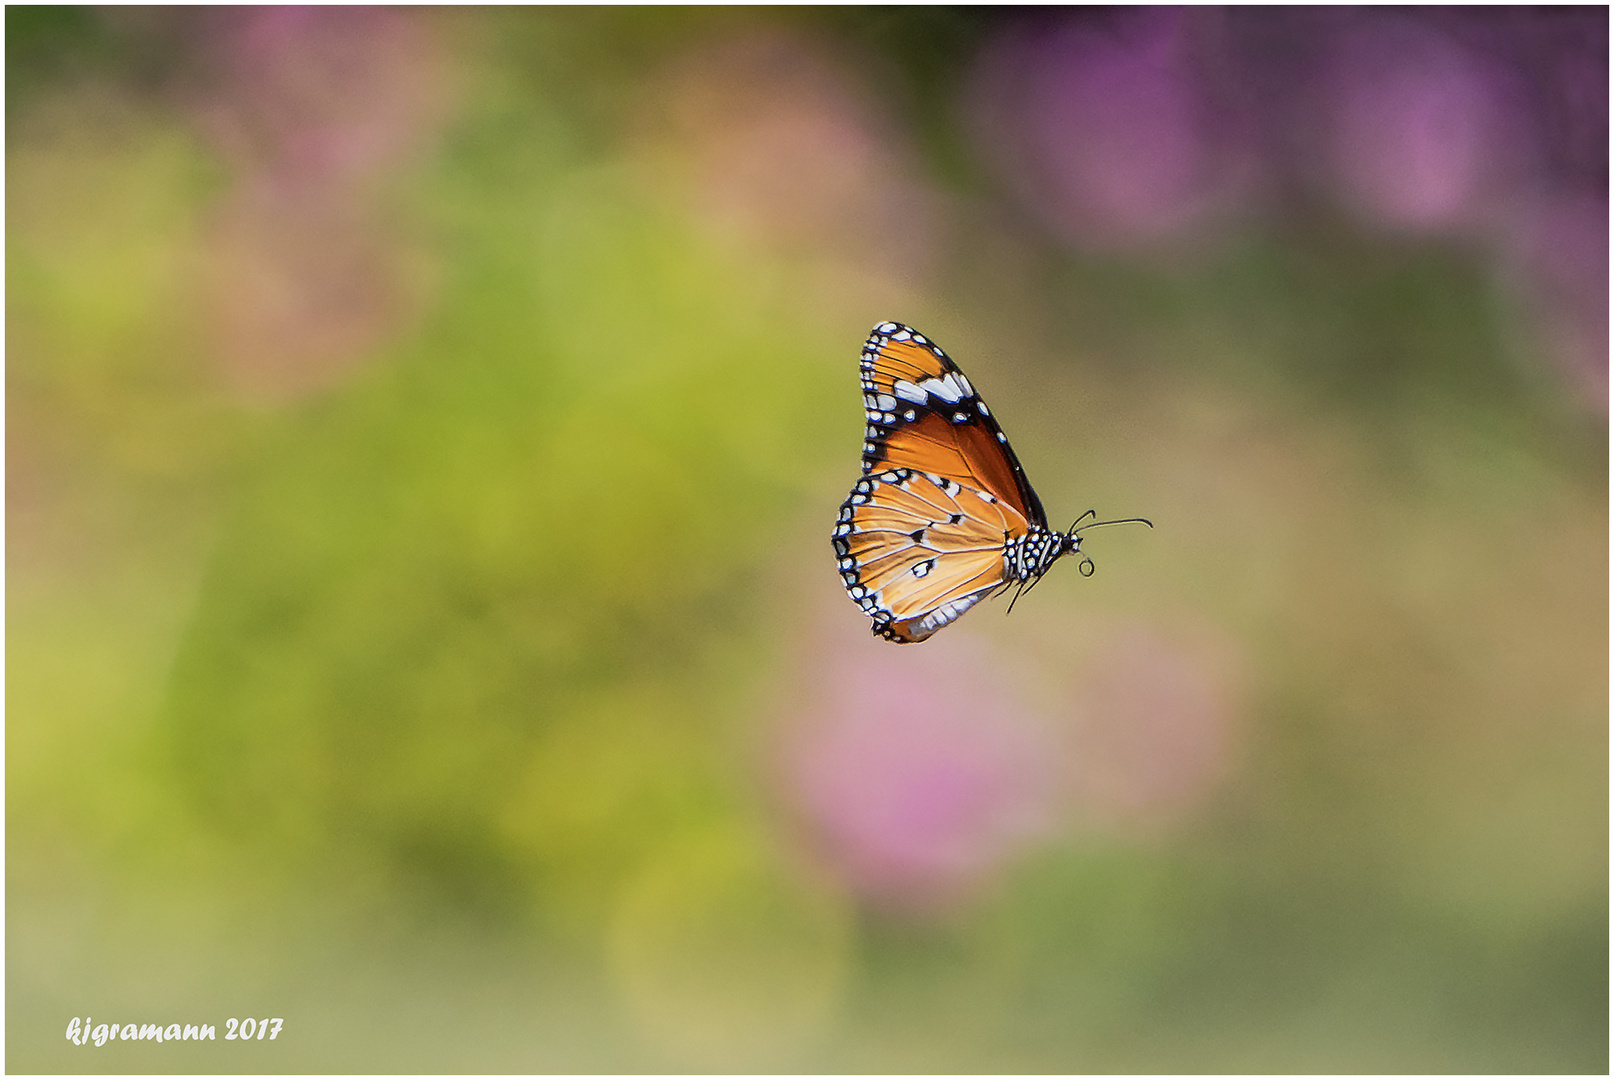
{"x": 1105, "y": 131}
{"x": 916, "y": 773}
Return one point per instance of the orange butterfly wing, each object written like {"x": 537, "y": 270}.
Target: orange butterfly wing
{"x": 924, "y": 414}
{"x": 922, "y": 537}
{"x": 917, "y": 550}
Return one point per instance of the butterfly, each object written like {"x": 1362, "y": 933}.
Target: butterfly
{"x": 943, "y": 515}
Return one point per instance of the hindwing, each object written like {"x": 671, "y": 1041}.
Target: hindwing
{"x": 916, "y": 550}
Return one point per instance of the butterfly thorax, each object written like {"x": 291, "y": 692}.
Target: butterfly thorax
{"x": 1029, "y": 556}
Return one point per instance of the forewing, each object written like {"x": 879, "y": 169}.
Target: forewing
{"x": 924, "y": 414}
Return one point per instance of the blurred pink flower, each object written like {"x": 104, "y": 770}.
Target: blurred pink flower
{"x": 917, "y": 771}
{"x": 1156, "y": 710}
{"x": 1105, "y": 132}
{"x": 1558, "y": 57}
{"x": 1422, "y": 133}
{"x": 313, "y": 108}
{"x": 768, "y": 139}
{"x": 321, "y": 96}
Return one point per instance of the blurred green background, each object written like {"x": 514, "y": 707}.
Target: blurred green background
{"x": 424, "y": 429}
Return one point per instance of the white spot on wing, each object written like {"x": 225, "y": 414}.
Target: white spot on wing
{"x": 909, "y": 392}
{"x": 944, "y": 388}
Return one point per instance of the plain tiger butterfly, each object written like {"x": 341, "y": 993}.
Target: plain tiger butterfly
{"x": 943, "y": 514}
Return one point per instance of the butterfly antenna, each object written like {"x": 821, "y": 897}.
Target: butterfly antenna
{"x": 1086, "y": 565}
{"x": 1117, "y": 521}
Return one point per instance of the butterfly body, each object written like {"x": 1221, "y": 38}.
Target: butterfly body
{"x": 943, "y": 514}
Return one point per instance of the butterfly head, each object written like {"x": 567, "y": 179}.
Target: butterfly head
{"x": 1071, "y": 544}
{"x": 1072, "y": 540}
